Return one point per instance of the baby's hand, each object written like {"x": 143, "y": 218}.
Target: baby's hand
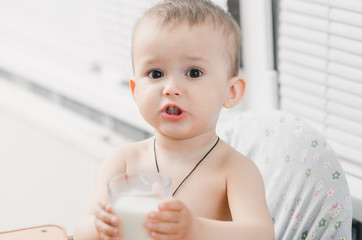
{"x": 173, "y": 221}
{"x": 106, "y": 222}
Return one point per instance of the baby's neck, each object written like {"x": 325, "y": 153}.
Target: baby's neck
{"x": 183, "y": 147}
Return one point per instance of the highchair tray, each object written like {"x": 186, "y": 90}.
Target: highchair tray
{"x": 47, "y": 232}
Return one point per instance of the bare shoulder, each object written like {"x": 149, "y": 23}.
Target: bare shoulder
{"x": 245, "y": 186}
{"x": 122, "y": 156}
{"x": 130, "y": 149}
{"x": 242, "y": 175}
{"x": 235, "y": 162}
{"x": 245, "y": 190}
{"x": 115, "y": 163}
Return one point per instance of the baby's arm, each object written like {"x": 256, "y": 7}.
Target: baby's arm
{"x": 247, "y": 203}
{"x": 102, "y": 224}
{"x": 251, "y": 218}
{"x": 98, "y": 220}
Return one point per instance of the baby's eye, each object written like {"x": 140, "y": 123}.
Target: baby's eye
{"x": 155, "y": 74}
{"x": 194, "y": 73}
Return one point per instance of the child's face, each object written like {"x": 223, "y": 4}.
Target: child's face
{"x": 181, "y": 77}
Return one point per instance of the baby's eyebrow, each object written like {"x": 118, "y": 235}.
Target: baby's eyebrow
{"x": 195, "y": 57}
{"x": 149, "y": 60}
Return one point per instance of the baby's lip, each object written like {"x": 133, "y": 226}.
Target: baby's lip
{"x": 172, "y": 109}
{"x": 173, "y": 112}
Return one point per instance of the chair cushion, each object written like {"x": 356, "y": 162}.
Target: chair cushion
{"x": 306, "y": 189}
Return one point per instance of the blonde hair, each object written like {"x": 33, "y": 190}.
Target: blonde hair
{"x": 200, "y": 11}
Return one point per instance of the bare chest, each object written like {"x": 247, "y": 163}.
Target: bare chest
{"x": 205, "y": 196}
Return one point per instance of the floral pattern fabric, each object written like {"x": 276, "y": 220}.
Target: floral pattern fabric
{"x": 306, "y": 189}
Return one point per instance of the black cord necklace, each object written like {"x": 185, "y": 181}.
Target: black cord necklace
{"x": 158, "y": 170}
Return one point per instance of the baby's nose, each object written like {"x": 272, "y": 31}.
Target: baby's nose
{"x": 172, "y": 88}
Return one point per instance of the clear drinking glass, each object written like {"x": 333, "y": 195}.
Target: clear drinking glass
{"x": 133, "y": 195}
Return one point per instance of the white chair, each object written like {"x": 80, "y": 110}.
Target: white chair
{"x": 306, "y": 189}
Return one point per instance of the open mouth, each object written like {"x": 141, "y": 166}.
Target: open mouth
{"x": 173, "y": 110}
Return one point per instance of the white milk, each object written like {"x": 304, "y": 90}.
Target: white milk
{"x": 132, "y": 211}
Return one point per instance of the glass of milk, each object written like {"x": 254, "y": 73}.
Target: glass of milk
{"x": 133, "y": 195}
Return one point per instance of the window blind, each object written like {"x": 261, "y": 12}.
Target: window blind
{"x": 90, "y": 36}
{"x": 74, "y": 50}
{"x": 320, "y": 70}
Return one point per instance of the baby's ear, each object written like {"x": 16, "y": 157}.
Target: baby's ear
{"x": 132, "y": 85}
{"x": 236, "y": 87}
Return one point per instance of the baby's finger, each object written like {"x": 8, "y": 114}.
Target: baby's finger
{"x": 161, "y": 236}
{"x": 102, "y": 236}
{"x": 164, "y": 228}
{"x": 165, "y": 216}
{"x": 107, "y": 217}
{"x": 171, "y": 205}
{"x": 105, "y": 206}
{"x": 106, "y": 231}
